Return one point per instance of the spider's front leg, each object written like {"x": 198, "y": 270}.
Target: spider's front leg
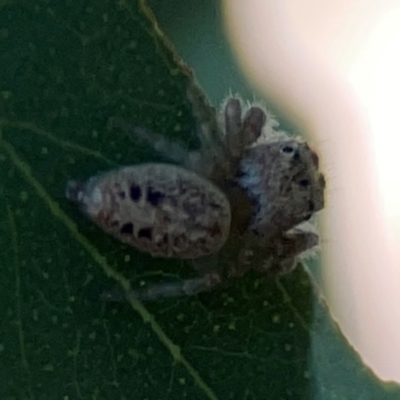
{"x": 281, "y": 253}
{"x": 237, "y": 134}
{"x": 224, "y": 136}
{"x": 241, "y": 133}
{"x": 188, "y": 287}
{"x": 167, "y": 148}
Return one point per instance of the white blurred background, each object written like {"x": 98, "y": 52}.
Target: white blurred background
{"x": 331, "y": 67}
{"x": 334, "y": 66}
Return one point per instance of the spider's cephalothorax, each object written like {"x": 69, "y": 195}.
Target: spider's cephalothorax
{"x": 283, "y": 180}
{"x": 234, "y": 205}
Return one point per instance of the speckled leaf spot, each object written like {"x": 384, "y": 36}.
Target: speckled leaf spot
{"x": 161, "y": 209}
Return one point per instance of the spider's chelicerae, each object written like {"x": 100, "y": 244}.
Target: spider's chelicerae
{"x": 236, "y": 204}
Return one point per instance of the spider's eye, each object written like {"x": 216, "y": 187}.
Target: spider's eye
{"x": 287, "y": 149}
{"x": 304, "y": 182}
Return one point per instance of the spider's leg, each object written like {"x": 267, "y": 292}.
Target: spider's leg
{"x": 233, "y": 127}
{"x": 206, "y": 117}
{"x": 294, "y": 242}
{"x": 281, "y": 267}
{"x": 252, "y": 125}
{"x": 240, "y": 133}
{"x": 167, "y": 148}
{"x": 188, "y": 287}
{"x": 213, "y": 150}
{"x": 280, "y": 254}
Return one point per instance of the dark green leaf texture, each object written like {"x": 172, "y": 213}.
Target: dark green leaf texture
{"x": 66, "y": 68}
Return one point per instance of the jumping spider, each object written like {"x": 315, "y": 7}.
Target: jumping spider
{"x": 234, "y": 205}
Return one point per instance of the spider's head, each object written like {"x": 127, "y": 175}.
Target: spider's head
{"x": 284, "y": 182}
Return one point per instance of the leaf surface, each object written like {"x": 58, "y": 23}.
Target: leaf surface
{"x": 67, "y": 67}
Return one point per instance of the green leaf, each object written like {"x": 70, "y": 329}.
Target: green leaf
{"x": 67, "y": 67}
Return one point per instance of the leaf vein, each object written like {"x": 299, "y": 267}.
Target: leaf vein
{"x": 146, "y": 316}
{"x": 65, "y": 144}
{"x": 21, "y": 335}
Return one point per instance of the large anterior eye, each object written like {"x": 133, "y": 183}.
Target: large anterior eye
{"x": 287, "y": 149}
{"x": 304, "y": 182}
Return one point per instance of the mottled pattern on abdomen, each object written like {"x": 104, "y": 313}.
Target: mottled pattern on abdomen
{"x": 162, "y": 209}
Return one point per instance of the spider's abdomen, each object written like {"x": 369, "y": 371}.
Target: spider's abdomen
{"x": 161, "y": 209}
